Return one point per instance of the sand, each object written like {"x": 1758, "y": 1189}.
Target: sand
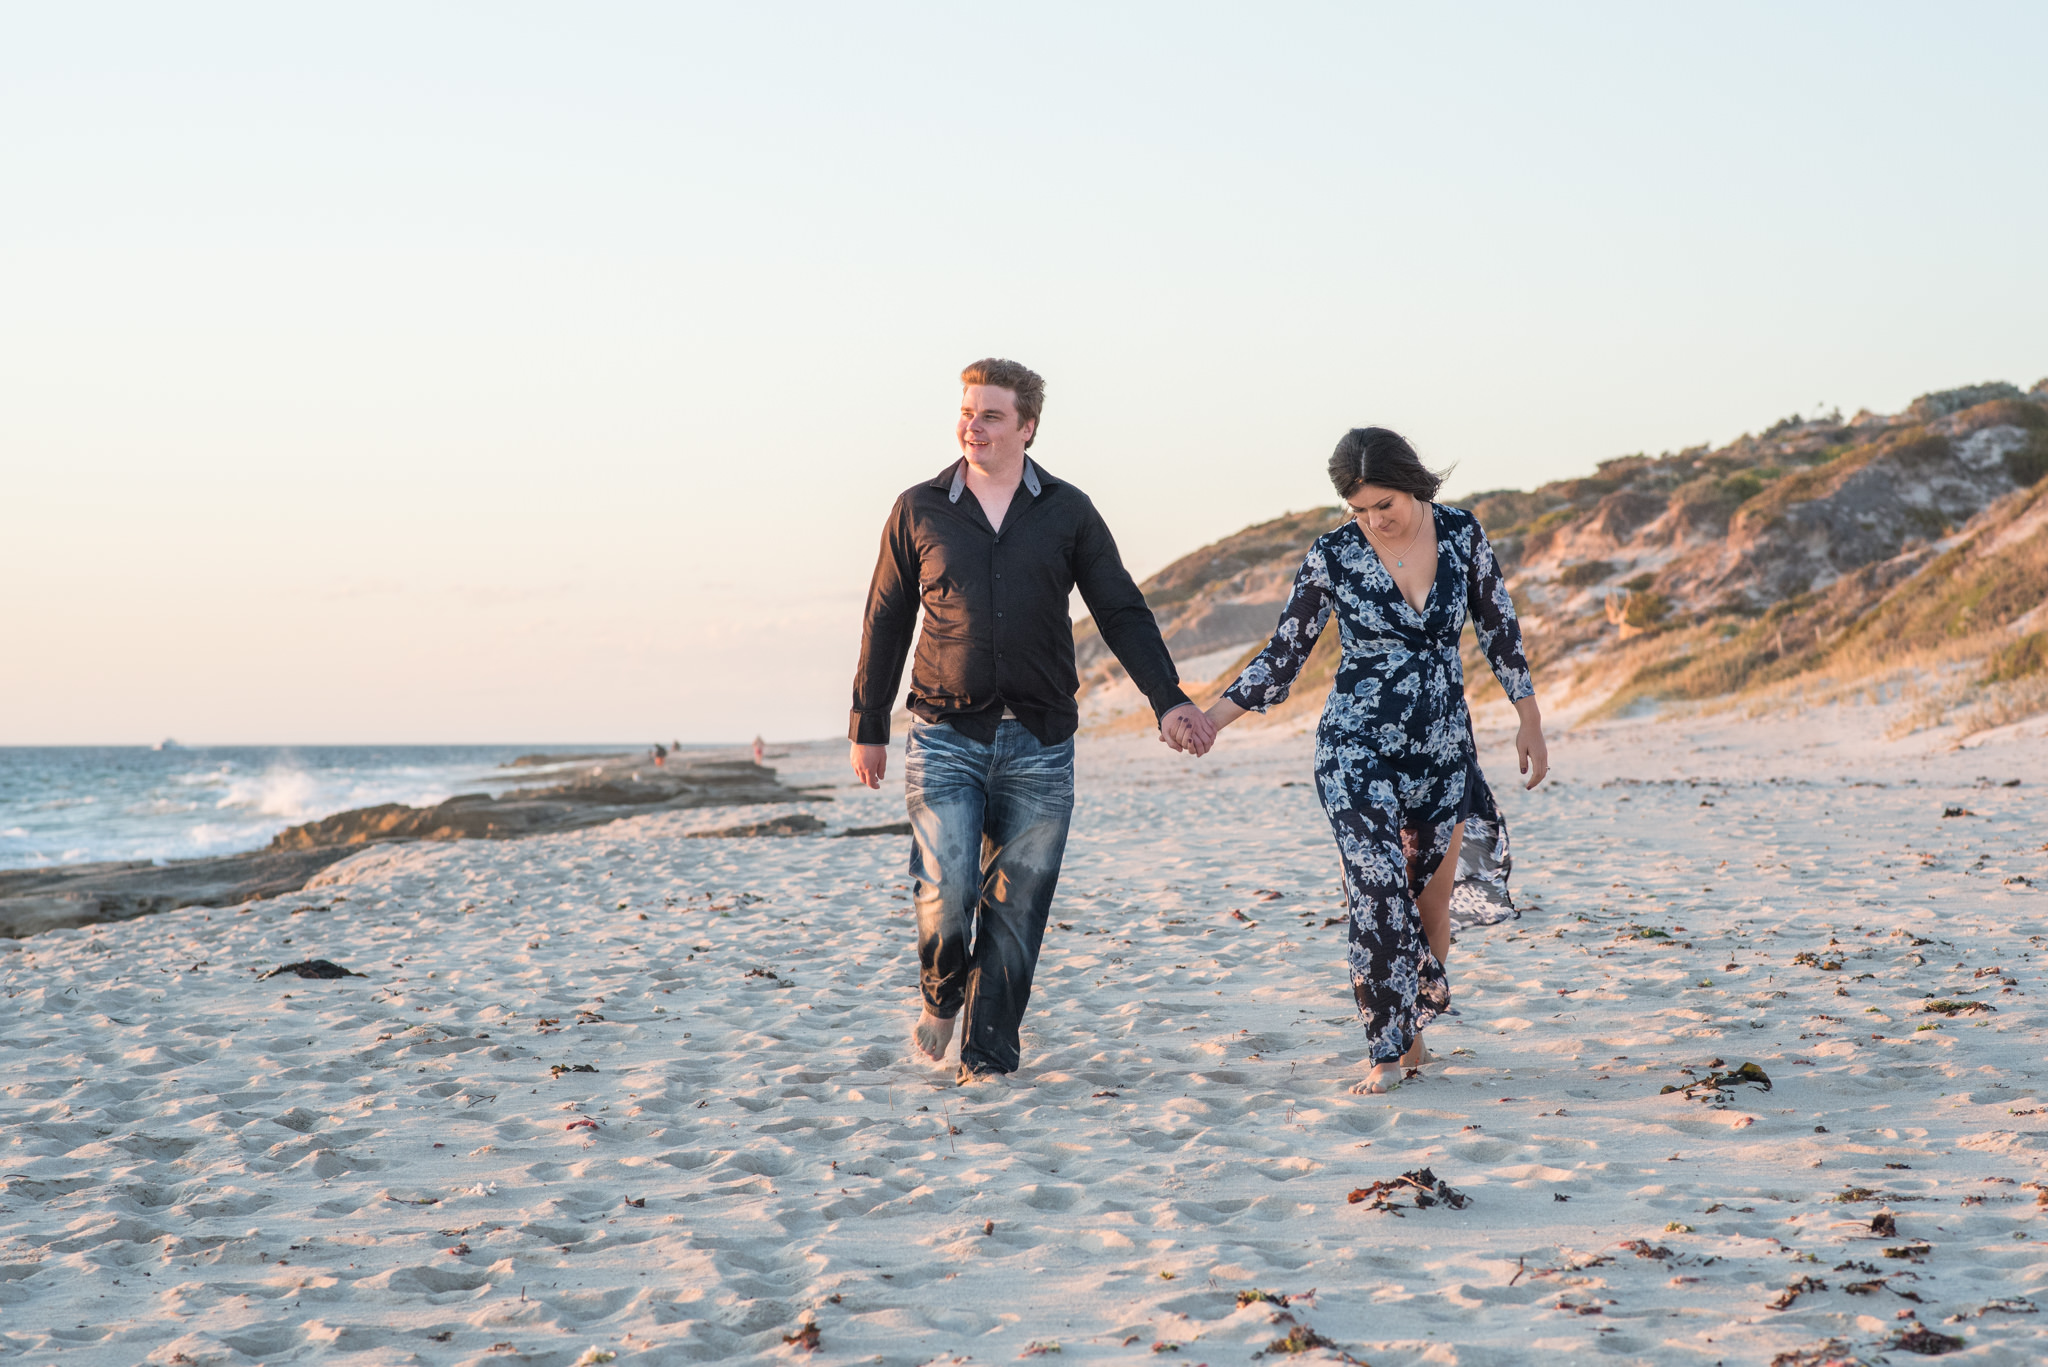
{"x": 204, "y": 1166}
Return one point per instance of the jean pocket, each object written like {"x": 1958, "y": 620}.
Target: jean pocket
{"x": 1049, "y": 759}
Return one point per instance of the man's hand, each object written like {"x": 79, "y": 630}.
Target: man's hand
{"x": 1187, "y": 729}
{"x": 870, "y": 762}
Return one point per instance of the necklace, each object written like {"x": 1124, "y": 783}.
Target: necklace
{"x": 1400, "y": 560}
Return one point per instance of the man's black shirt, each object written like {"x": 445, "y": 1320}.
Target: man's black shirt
{"x": 996, "y": 632}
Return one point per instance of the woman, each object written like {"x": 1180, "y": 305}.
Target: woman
{"x": 1395, "y": 762}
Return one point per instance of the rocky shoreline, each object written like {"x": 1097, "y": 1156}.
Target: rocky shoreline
{"x": 53, "y": 898}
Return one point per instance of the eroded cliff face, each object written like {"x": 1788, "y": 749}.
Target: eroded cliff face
{"x": 1886, "y": 495}
{"x": 1822, "y": 520}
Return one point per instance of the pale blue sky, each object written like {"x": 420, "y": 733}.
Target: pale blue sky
{"x": 401, "y": 372}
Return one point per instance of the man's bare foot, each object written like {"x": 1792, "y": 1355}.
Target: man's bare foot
{"x": 931, "y": 1035}
{"x": 1384, "y": 1077}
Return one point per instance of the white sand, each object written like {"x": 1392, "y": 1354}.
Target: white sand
{"x": 202, "y": 1167}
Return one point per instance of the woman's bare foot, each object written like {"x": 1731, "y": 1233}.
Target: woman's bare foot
{"x": 1384, "y": 1077}
{"x": 1417, "y": 1055}
{"x": 931, "y": 1035}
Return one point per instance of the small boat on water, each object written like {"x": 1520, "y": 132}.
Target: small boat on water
{"x": 167, "y": 744}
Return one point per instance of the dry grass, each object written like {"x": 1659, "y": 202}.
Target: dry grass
{"x": 2018, "y": 660}
{"x": 1883, "y": 619}
{"x": 1711, "y": 660}
{"x": 1931, "y": 713}
{"x": 1919, "y": 694}
{"x": 2004, "y": 704}
{"x": 1585, "y": 572}
{"x": 1959, "y": 596}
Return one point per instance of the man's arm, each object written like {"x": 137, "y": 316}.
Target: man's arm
{"x": 885, "y": 635}
{"x": 1127, "y": 625}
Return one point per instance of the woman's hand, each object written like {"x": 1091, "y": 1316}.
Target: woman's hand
{"x": 1530, "y": 749}
{"x": 1186, "y": 728}
{"x": 1220, "y": 714}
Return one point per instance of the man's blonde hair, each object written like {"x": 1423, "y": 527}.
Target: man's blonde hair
{"x": 1027, "y": 384}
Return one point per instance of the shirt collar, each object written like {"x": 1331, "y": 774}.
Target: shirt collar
{"x": 959, "y": 482}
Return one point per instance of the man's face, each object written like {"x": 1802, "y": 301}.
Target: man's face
{"x": 989, "y": 432}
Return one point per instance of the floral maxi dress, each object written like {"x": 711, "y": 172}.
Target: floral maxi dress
{"x": 1396, "y": 766}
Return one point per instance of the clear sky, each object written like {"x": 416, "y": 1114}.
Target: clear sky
{"x": 401, "y": 372}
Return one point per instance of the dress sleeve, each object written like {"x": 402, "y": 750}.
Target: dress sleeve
{"x": 1493, "y": 619}
{"x": 1267, "y": 679}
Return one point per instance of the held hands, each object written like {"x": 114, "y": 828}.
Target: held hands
{"x": 1187, "y": 729}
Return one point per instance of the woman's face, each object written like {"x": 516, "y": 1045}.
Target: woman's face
{"x": 1388, "y": 514}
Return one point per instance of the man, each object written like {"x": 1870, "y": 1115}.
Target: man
{"x": 990, "y": 550}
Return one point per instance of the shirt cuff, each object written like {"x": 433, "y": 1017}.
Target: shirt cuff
{"x": 868, "y": 728}
{"x": 1167, "y": 699}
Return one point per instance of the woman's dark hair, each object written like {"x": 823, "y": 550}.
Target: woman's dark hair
{"x": 1377, "y": 456}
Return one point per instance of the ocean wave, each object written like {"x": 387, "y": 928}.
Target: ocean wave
{"x": 289, "y": 793}
{"x": 116, "y": 803}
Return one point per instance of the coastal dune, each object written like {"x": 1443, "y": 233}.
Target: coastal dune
{"x": 611, "y": 1090}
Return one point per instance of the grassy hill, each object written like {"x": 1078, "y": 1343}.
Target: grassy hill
{"x": 1820, "y": 554}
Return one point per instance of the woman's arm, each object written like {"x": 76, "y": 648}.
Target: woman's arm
{"x": 1267, "y": 680}
{"x": 1223, "y": 712}
{"x": 1500, "y": 638}
{"x": 1493, "y": 619}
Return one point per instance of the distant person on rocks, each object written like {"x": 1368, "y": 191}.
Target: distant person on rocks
{"x": 760, "y": 750}
{"x": 1396, "y": 765}
{"x": 990, "y": 549}
{"x": 660, "y": 753}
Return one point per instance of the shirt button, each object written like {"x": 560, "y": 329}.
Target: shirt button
{"x": 999, "y": 614}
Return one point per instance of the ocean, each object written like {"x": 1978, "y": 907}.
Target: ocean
{"x": 84, "y": 804}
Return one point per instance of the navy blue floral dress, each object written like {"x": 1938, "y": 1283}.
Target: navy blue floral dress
{"x": 1396, "y": 766}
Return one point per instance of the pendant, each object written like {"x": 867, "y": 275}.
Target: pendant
{"x": 1400, "y": 564}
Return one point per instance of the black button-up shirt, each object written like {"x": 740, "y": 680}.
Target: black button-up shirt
{"x": 996, "y": 631}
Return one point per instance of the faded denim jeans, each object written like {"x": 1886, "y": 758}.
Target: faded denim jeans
{"x": 990, "y": 826}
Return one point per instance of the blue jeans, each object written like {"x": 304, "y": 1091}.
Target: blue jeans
{"x": 990, "y": 826}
